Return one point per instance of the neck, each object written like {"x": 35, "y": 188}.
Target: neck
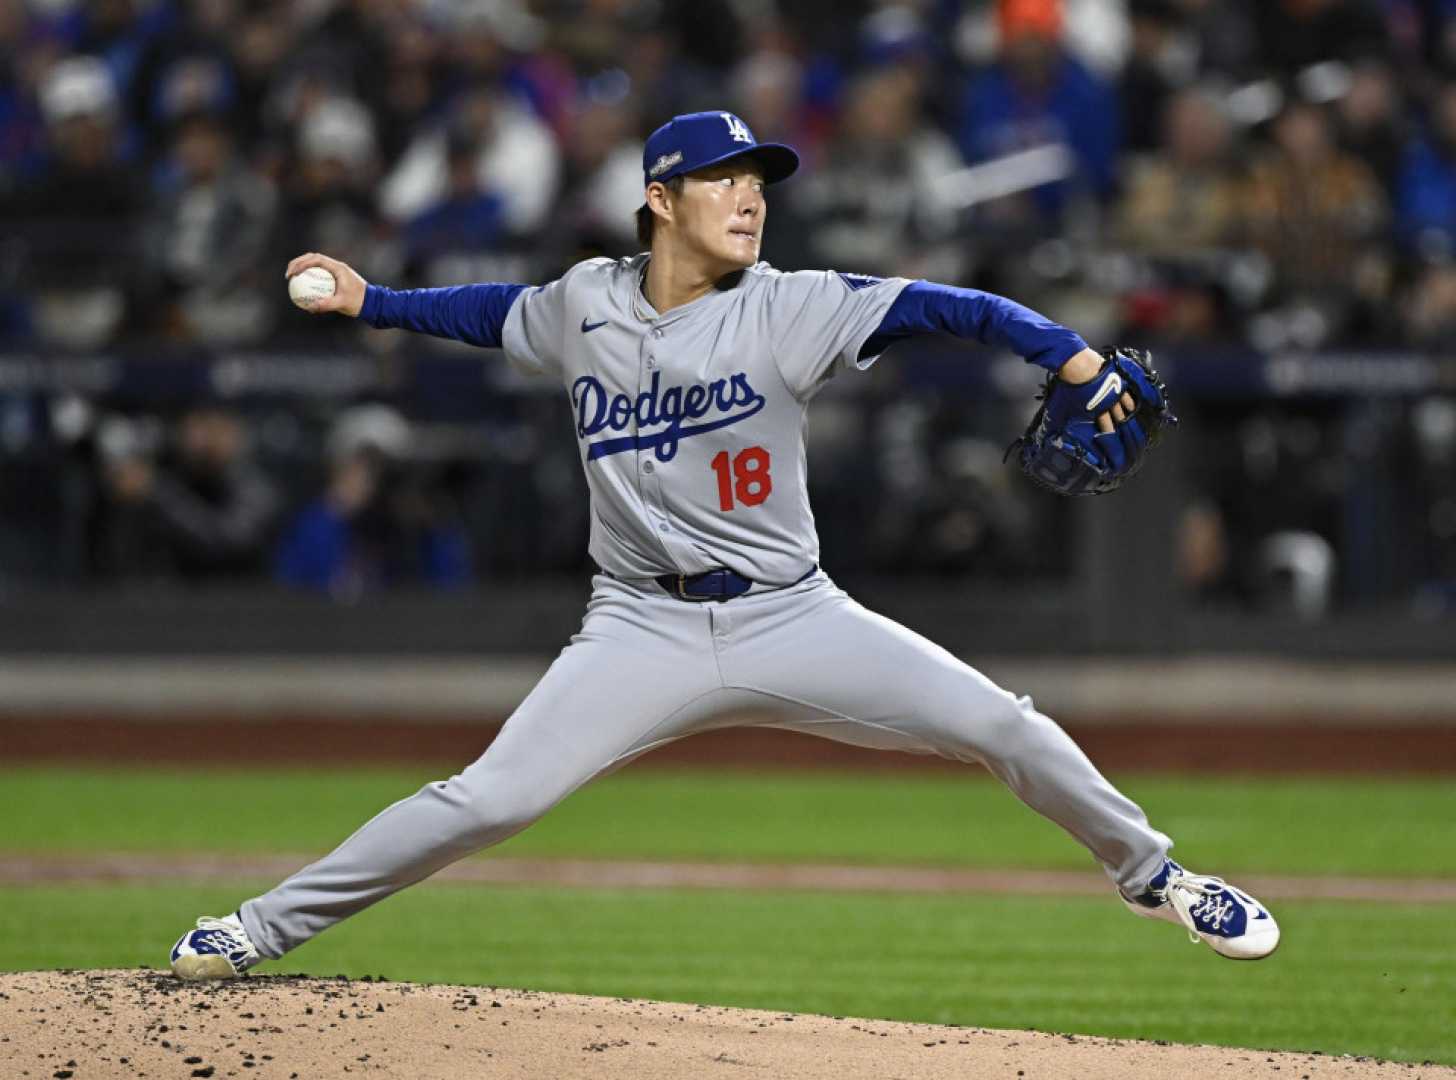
{"x": 675, "y": 279}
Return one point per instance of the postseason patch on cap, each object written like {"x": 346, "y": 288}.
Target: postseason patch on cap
{"x": 665, "y": 162}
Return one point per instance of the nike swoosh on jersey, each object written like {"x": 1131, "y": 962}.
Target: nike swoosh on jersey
{"x": 1110, "y": 387}
{"x": 587, "y": 328}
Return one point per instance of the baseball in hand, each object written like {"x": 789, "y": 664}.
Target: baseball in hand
{"x": 308, "y": 287}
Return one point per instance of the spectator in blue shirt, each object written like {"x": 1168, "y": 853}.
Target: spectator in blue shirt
{"x": 1037, "y": 94}
{"x": 1425, "y": 193}
{"x": 377, "y": 523}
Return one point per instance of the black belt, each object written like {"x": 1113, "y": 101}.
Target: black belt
{"x": 720, "y": 584}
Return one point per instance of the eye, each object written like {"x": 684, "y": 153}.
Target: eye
{"x": 726, "y": 181}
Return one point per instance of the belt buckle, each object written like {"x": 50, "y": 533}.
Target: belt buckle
{"x": 682, "y": 587}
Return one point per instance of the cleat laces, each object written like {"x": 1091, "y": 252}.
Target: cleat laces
{"x": 1212, "y": 912}
{"x": 1196, "y": 898}
{"x": 224, "y": 937}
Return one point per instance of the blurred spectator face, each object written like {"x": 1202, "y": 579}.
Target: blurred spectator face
{"x": 408, "y": 86}
{"x": 413, "y": 43}
{"x": 202, "y": 148}
{"x": 1431, "y": 309}
{"x": 1443, "y": 117}
{"x": 78, "y": 101}
{"x": 336, "y": 143}
{"x": 1196, "y": 131}
{"x": 1031, "y": 59}
{"x": 1371, "y": 100}
{"x": 194, "y": 83}
{"x": 12, "y": 21}
{"x": 1030, "y": 32}
{"x": 210, "y": 440}
{"x": 1202, "y": 550}
{"x": 882, "y": 107}
{"x": 477, "y": 51}
{"x": 258, "y": 44}
{"x": 769, "y": 91}
{"x": 595, "y": 132}
{"x": 352, "y": 484}
{"x": 84, "y": 142}
{"x": 1303, "y": 133}
{"x": 111, "y": 15}
{"x": 380, "y": 12}
{"x": 214, "y": 18}
{"x": 475, "y": 115}
{"x": 463, "y": 183}
{"x": 1150, "y": 30}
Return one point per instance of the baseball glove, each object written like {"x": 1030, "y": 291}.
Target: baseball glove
{"x": 1063, "y": 451}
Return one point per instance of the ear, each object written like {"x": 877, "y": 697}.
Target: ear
{"x": 659, "y": 200}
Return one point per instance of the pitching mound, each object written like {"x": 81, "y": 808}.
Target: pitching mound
{"x": 66, "y": 1024}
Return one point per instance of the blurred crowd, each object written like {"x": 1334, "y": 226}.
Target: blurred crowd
{"x": 349, "y": 501}
{"x": 1274, "y": 174}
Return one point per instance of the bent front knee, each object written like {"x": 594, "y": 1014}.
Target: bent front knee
{"x": 1002, "y": 728}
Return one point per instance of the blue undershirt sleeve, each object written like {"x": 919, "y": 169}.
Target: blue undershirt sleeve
{"x": 474, "y": 314}
{"x": 926, "y": 307}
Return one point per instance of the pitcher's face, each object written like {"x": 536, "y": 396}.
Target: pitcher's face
{"x": 719, "y": 214}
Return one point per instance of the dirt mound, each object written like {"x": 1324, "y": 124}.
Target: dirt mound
{"x": 63, "y": 1024}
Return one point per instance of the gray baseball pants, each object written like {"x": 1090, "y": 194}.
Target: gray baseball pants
{"x": 646, "y": 669}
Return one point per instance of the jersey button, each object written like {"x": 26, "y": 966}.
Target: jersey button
{"x": 647, "y": 466}
{"x": 662, "y": 527}
{"x": 656, "y": 332}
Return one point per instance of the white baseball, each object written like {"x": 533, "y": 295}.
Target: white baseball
{"x": 308, "y": 287}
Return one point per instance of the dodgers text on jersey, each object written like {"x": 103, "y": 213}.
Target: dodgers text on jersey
{"x": 597, "y": 411}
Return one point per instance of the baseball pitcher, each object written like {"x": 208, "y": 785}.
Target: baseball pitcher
{"x": 689, "y": 369}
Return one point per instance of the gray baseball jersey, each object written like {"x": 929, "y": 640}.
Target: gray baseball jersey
{"x": 691, "y": 430}
{"x": 691, "y": 424}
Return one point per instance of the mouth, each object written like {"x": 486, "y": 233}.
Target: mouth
{"x": 746, "y": 234}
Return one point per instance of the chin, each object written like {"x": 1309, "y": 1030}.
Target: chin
{"x": 740, "y": 258}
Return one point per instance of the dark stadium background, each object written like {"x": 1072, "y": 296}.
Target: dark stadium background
{"x": 1262, "y": 193}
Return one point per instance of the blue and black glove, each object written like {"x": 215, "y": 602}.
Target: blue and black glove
{"x": 1064, "y": 451}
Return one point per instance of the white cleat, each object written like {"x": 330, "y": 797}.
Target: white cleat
{"x": 217, "y": 949}
{"x": 1229, "y": 921}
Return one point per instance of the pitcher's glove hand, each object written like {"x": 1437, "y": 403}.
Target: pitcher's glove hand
{"x": 1063, "y": 450}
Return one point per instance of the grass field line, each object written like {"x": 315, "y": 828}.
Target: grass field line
{"x": 26, "y": 869}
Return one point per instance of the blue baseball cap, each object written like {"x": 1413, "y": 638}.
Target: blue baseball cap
{"x": 696, "y": 140}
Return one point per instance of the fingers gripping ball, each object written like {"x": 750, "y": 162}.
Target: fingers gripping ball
{"x": 308, "y": 287}
{"x": 1063, "y": 450}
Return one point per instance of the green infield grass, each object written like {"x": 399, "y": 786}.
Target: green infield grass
{"x": 1349, "y": 978}
{"x": 1273, "y": 825}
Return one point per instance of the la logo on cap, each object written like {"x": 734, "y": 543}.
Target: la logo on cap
{"x": 698, "y": 140}
{"x": 737, "y": 129}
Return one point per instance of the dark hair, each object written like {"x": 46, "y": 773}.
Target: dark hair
{"x": 647, "y": 220}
